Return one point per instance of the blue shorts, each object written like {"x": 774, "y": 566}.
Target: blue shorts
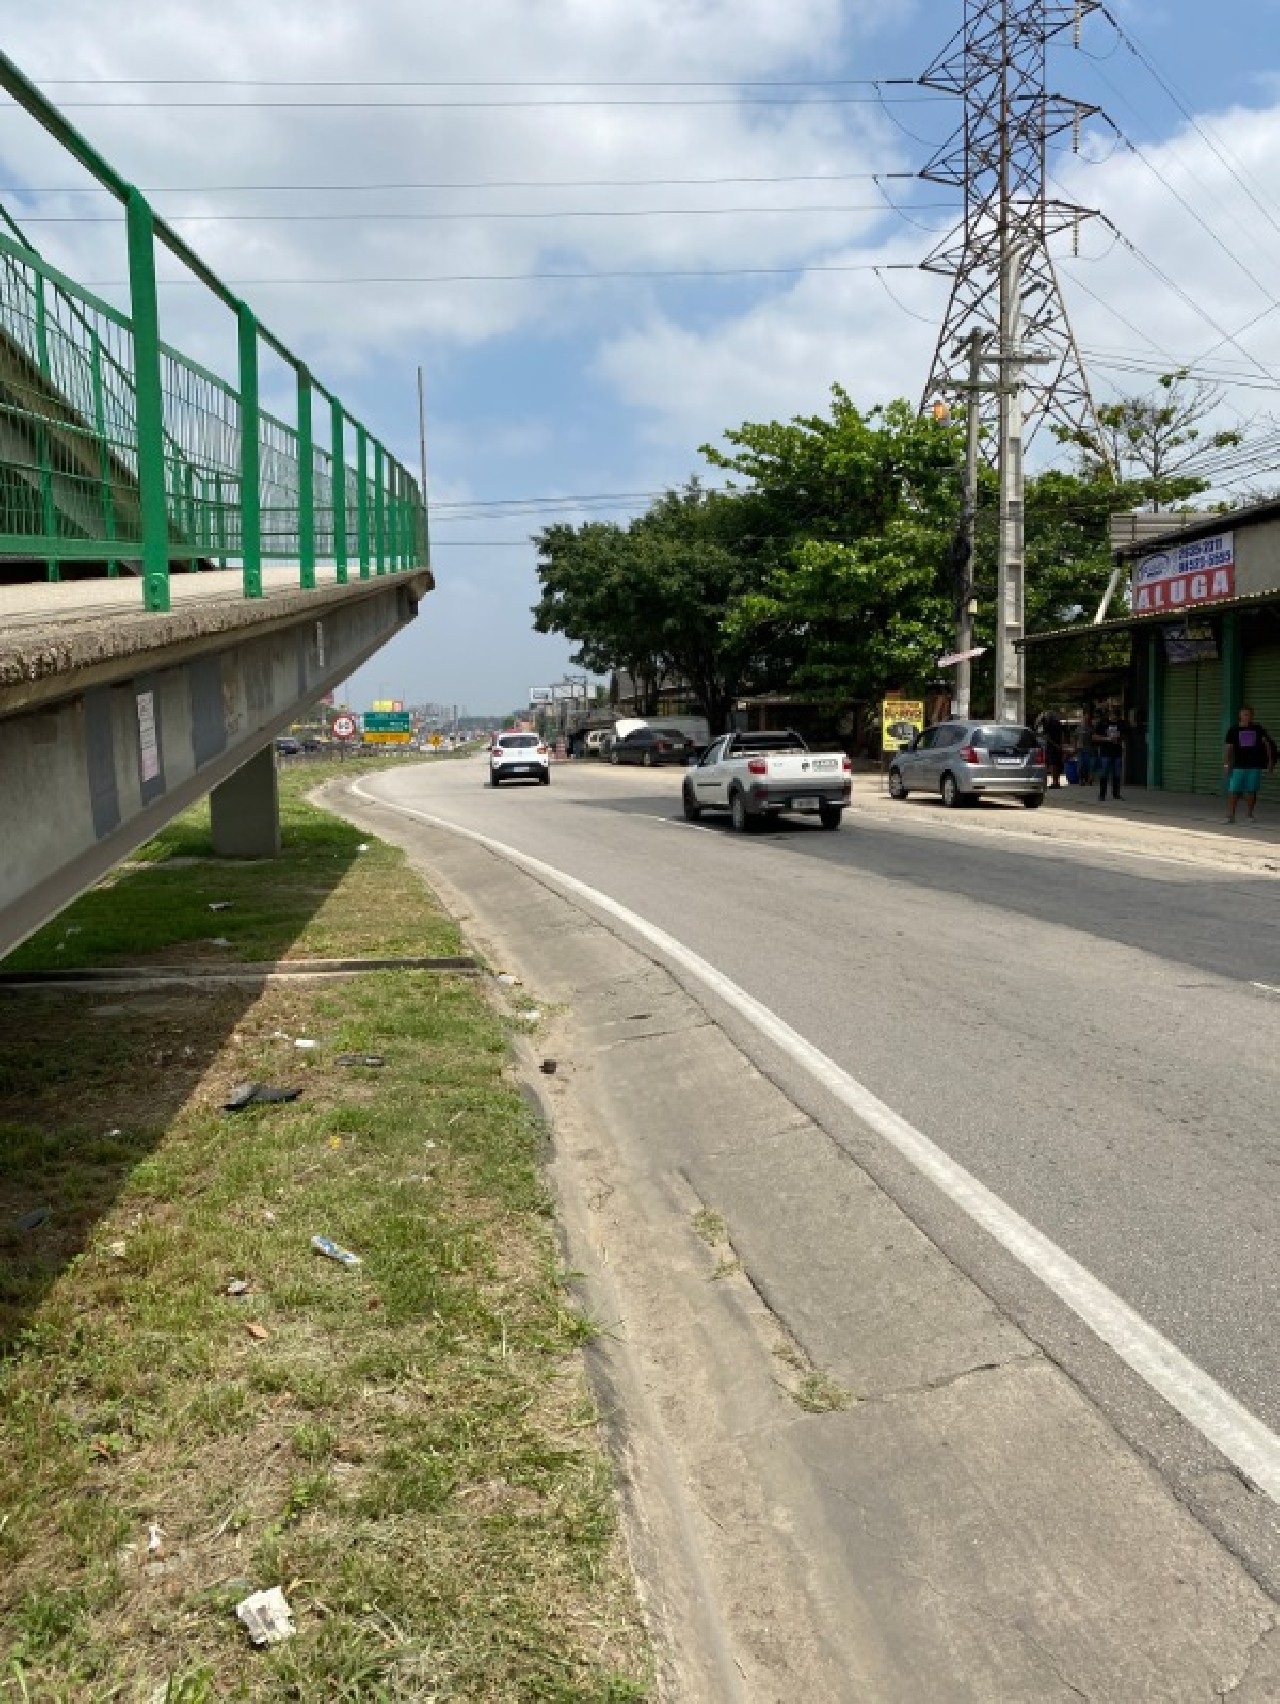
{"x": 1245, "y": 781}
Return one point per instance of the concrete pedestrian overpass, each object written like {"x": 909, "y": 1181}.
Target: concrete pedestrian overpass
{"x": 113, "y": 719}
{"x": 182, "y": 572}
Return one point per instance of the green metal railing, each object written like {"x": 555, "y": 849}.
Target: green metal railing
{"x": 116, "y": 448}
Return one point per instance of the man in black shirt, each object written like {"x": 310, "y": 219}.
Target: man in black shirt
{"x": 1108, "y": 753}
{"x": 1249, "y": 750}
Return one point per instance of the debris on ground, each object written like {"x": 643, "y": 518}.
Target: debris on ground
{"x": 530, "y": 1015}
{"x": 155, "y": 1540}
{"x": 548, "y": 1067}
{"x": 257, "y": 1094}
{"x": 374, "y": 1061}
{"x": 305, "y": 1041}
{"x": 259, "y": 1333}
{"x": 266, "y": 1617}
{"x": 507, "y": 980}
{"x": 117, "y": 1250}
{"x": 35, "y": 1218}
{"x": 363, "y": 846}
{"x": 239, "y": 1287}
{"x": 343, "y": 1256}
{"x": 218, "y": 941}
{"x": 219, "y": 905}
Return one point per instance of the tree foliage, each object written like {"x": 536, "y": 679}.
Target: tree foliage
{"x": 850, "y": 517}
{"x": 1152, "y": 444}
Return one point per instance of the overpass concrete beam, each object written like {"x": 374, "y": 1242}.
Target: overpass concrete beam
{"x": 110, "y": 726}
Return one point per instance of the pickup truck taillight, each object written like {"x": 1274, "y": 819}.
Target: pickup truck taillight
{"x": 542, "y": 751}
{"x": 847, "y": 764}
{"x": 968, "y": 754}
{"x": 758, "y": 766}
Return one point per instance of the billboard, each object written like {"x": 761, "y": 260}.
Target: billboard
{"x": 1203, "y": 570}
{"x": 541, "y": 694}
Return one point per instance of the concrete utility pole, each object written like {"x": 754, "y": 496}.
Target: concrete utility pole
{"x": 968, "y": 524}
{"x": 1010, "y": 692}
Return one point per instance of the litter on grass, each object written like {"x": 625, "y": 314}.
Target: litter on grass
{"x": 332, "y": 1251}
{"x": 507, "y": 980}
{"x": 239, "y": 1287}
{"x": 257, "y": 1094}
{"x": 304, "y": 1041}
{"x": 33, "y": 1220}
{"x": 117, "y": 1250}
{"x": 374, "y": 1061}
{"x": 259, "y": 1333}
{"x": 219, "y": 941}
{"x": 530, "y": 1015}
{"x": 220, "y": 905}
{"x": 363, "y": 846}
{"x": 266, "y": 1617}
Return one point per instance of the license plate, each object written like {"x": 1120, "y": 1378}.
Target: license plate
{"x": 1009, "y": 762}
{"x": 804, "y": 804}
{"x": 824, "y": 763}
{"x": 524, "y": 769}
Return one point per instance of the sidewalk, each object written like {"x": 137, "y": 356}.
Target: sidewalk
{"x": 1189, "y": 827}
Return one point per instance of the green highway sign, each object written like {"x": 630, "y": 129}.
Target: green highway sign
{"x": 388, "y": 722}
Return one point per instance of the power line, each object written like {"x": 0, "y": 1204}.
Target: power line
{"x": 526, "y": 277}
{"x": 481, "y": 214}
{"x": 471, "y": 183}
{"x": 479, "y": 82}
{"x": 481, "y": 106}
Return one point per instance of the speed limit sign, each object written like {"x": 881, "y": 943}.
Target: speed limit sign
{"x": 344, "y": 727}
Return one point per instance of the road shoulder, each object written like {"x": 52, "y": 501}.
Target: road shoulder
{"x": 847, "y": 1472}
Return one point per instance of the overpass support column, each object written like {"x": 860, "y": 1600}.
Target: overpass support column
{"x": 245, "y": 809}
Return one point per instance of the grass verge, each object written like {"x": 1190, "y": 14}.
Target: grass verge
{"x": 407, "y": 1448}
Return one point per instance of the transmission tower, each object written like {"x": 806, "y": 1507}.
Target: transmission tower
{"x": 997, "y": 63}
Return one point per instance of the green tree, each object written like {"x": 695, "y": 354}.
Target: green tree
{"x": 1151, "y": 444}
{"x": 851, "y": 518}
{"x": 600, "y": 591}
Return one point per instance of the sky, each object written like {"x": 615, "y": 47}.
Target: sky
{"x": 404, "y": 184}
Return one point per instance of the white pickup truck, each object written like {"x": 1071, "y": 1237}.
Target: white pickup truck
{"x": 754, "y": 776}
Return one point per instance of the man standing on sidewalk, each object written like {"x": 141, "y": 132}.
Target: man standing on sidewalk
{"x": 1249, "y": 750}
{"x": 1108, "y": 753}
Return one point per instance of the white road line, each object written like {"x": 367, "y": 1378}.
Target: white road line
{"x": 1267, "y": 987}
{"x": 1213, "y": 1411}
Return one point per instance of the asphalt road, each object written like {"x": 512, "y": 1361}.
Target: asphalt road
{"x": 1079, "y": 1030}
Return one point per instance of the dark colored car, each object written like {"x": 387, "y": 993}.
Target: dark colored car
{"x": 287, "y": 746}
{"x": 651, "y": 746}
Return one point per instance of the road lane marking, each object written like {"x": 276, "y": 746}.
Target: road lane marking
{"x": 1267, "y": 987}
{"x": 1227, "y": 1424}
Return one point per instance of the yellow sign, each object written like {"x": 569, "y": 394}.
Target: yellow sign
{"x": 380, "y": 738}
{"x": 385, "y": 704}
{"x": 901, "y": 719}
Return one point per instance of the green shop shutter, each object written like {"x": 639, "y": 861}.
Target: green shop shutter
{"x": 1193, "y": 727}
{"x": 1262, "y": 691}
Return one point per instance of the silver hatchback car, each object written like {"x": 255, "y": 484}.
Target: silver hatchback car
{"x": 966, "y": 761}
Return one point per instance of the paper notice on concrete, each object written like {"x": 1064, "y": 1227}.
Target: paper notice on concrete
{"x": 148, "y": 747}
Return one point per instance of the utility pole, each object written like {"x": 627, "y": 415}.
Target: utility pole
{"x": 1010, "y": 694}
{"x": 968, "y": 525}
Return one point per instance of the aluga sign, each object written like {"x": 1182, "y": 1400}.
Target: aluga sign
{"x": 1201, "y": 571}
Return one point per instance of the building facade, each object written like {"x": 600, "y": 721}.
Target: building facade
{"x": 1203, "y": 625}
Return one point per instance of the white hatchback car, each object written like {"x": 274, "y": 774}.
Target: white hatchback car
{"x": 523, "y": 755}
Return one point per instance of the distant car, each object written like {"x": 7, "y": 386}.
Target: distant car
{"x": 593, "y": 744}
{"x": 965, "y": 761}
{"x": 651, "y": 746}
{"x": 287, "y": 746}
{"x": 519, "y": 755}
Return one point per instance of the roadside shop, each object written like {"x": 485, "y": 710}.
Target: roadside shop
{"x": 1200, "y": 636}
